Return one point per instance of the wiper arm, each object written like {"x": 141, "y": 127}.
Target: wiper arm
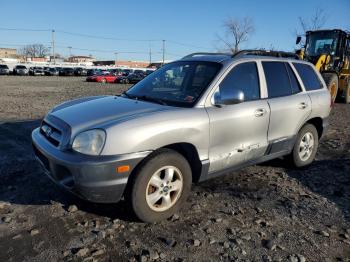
{"x": 128, "y": 96}
{"x": 151, "y": 99}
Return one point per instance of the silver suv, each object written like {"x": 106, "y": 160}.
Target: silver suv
{"x": 189, "y": 121}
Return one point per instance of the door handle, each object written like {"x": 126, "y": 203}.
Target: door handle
{"x": 303, "y": 105}
{"x": 260, "y": 112}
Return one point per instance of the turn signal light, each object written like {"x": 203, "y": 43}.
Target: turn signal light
{"x": 123, "y": 169}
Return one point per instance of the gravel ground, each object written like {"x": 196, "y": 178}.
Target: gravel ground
{"x": 267, "y": 212}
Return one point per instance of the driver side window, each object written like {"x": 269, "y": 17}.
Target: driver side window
{"x": 243, "y": 77}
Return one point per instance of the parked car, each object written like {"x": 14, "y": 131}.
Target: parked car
{"x": 91, "y": 72}
{"x": 101, "y": 78}
{"x": 115, "y": 72}
{"x": 192, "y": 120}
{"x": 79, "y": 71}
{"x": 120, "y": 79}
{"x": 4, "y": 70}
{"x": 20, "y": 70}
{"x": 52, "y": 71}
{"x": 148, "y": 72}
{"x": 135, "y": 77}
{"x": 126, "y": 72}
{"x": 36, "y": 71}
{"x": 66, "y": 71}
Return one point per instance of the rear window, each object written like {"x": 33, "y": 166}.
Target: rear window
{"x": 308, "y": 76}
{"x": 277, "y": 79}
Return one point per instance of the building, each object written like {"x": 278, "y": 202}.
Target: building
{"x": 80, "y": 59}
{"x": 132, "y": 64}
{"x": 8, "y": 53}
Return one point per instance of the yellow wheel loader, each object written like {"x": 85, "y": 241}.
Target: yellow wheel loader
{"x": 329, "y": 51}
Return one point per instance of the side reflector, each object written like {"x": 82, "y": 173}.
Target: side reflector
{"x": 123, "y": 169}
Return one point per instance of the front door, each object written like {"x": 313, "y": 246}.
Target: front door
{"x": 238, "y": 132}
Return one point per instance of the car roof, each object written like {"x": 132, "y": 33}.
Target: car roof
{"x": 243, "y": 54}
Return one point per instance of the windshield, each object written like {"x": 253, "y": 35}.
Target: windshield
{"x": 3, "y": 66}
{"x": 322, "y": 42}
{"x": 21, "y": 67}
{"x": 178, "y": 84}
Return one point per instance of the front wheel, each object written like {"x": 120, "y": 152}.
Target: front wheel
{"x": 331, "y": 81}
{"x": 347, "y": 93}
{"x": 305, "y": 147}
{"x": 160, "y": 186}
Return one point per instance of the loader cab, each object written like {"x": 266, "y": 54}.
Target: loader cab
{"x": 333, "y": 43}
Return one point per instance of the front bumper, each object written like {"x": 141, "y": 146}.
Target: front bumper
{"x": 93, "y": 178}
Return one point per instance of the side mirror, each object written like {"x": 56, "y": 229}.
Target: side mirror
{"x": 298, "y": 40}
{"x": 228, "y": 98}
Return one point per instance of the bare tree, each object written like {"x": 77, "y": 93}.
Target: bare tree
{"x": 315, "y": 22}
{"x": 34, "y": 50}
{"x": 237, "y": 32}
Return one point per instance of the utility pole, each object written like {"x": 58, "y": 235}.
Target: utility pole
{"x": 150, "y": 54}
{"x": 53, "y": 47}
{"x": 163, "y": 51}
{"x": 70, "y": 51}
{"x": 116, "y": 58}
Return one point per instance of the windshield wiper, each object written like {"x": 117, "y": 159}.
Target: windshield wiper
{"x": 151, "y": 99}
{"x": 128, "y": 96}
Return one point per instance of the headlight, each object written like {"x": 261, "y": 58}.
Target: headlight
{"x": 89, "y": 142}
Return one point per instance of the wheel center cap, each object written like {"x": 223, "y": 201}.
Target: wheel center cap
{"x": 165, "y": 189}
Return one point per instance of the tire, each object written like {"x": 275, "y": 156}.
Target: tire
{"x": 126, "y": 81}
{"x": 148, "y": 200}
{"x": 347, "y": 93}
{"x": 332, "y": 84}
{"x": 296, "y": 156}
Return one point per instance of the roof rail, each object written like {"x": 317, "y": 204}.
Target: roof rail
{"x": 205, "y": 53}
{"x": 271, "y": 53}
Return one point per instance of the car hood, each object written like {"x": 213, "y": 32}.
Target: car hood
{"x": 95, "y": 112}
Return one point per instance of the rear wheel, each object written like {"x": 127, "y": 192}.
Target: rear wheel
{"x": 160, "y": 186}
{"x": 305, "y": 147}
{"x": 332, "y": 84}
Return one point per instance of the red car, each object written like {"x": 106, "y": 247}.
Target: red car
{"x": 102, "y": 78}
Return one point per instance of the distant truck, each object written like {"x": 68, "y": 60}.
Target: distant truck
{"x": 329, "y": 51}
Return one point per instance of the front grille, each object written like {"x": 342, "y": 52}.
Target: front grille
{"x": 51, "y": 133}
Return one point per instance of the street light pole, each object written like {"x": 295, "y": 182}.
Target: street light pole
{"x": 116, "y": 58}
{"x": 53, "y": 47}
{"x": 163, "y": 51}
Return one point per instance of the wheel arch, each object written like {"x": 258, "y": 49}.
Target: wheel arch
{"x": 317, "y": 122}
{"x": 187, "y": 150}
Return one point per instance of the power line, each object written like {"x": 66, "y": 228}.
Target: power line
{"x": 25, "y": 30}
{"x": 101, "y": 37}
{"x": 107, "y": 38}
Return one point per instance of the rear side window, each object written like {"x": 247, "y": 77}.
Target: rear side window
{"x": 277, "y": 79}
{"x": 293, "y": 80}
{"x": 308, "y": 76}
{"x": 243, "y": 77}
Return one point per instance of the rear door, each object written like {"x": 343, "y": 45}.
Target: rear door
{"x": 238, "y": 132}
{"x": 290, "y": 105}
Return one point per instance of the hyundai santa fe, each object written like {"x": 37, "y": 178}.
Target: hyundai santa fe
{"x": 189, "y": 121}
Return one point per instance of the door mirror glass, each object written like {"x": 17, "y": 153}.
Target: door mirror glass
{"x": 233, "y": 96}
